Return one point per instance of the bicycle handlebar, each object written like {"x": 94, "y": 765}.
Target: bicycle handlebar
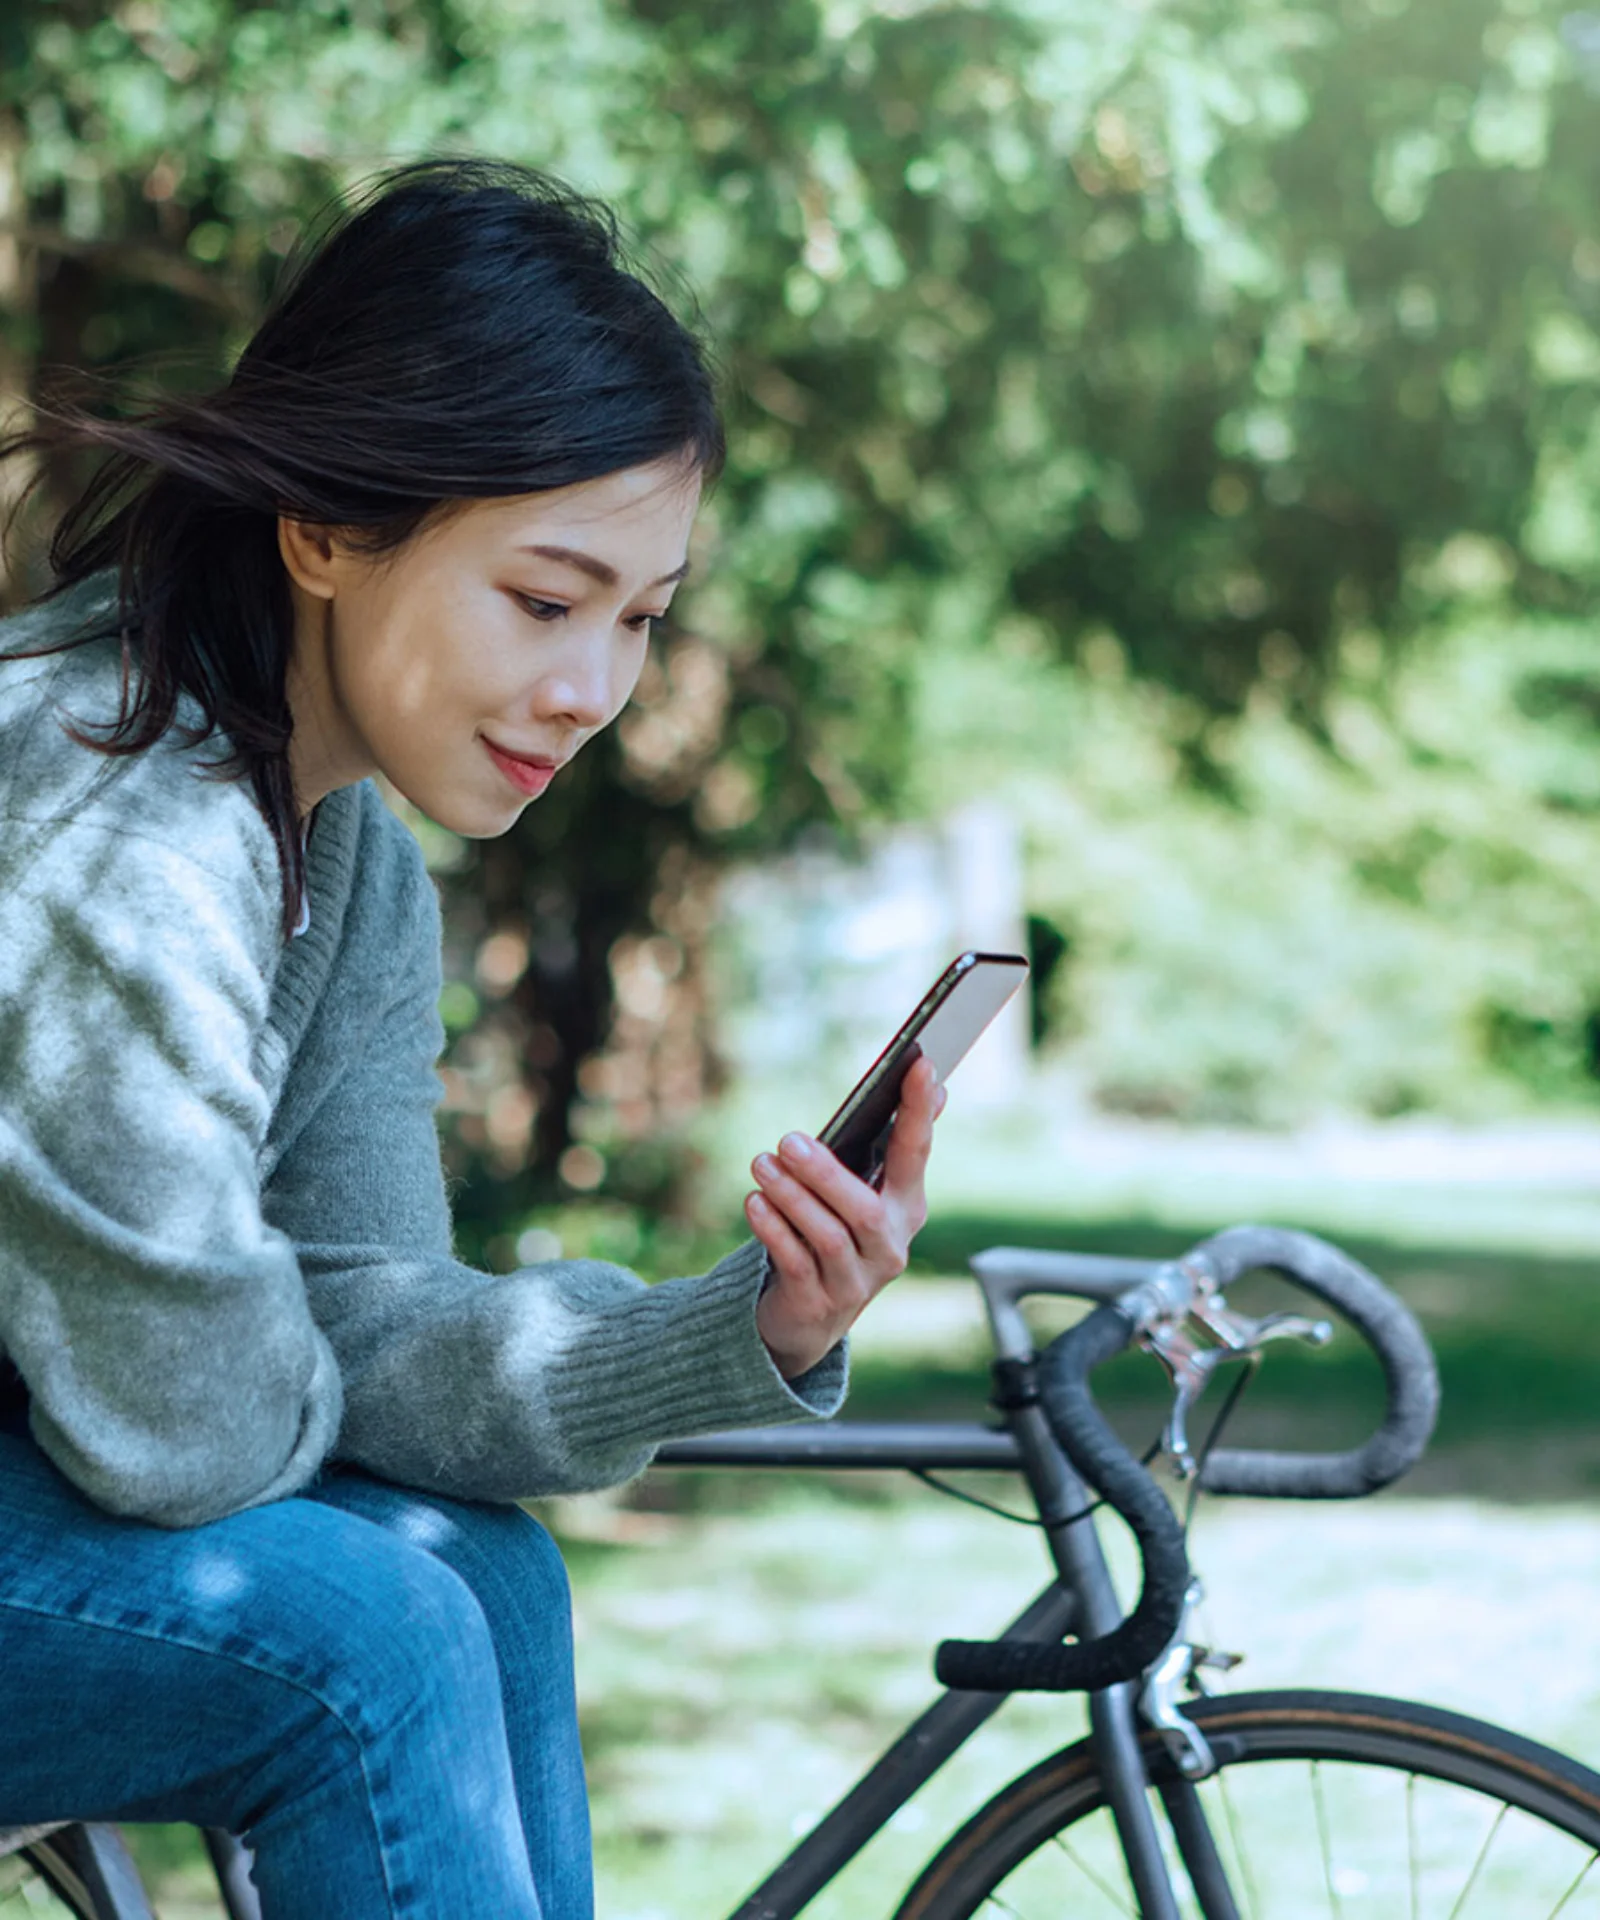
{"x": 1411, "y": 1379}
{"x": 998, "y": 1666}
{"x": 1106, "y": 1465}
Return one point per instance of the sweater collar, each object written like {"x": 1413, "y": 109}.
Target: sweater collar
{"x": 305, "y": 963}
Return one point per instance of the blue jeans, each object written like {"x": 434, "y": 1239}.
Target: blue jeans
{"x": 372, "y": 1687}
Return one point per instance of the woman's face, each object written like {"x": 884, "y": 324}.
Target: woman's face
{"x": 469, "y": 666}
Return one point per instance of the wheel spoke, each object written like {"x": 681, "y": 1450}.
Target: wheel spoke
{"x": 1324, "y": 1840}
{"x": 1096, "y": 1880}
{"x": 1477, "y": 1866}
{"x": 1583, "y": 1873}
{"x": 1241, "y": 1855}
{"x": 1412, "y": 1863}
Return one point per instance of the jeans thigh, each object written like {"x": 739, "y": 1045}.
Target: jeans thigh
{"x": 203, "y": 1674}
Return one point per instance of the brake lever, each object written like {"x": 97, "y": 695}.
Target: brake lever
{"x": 1192, "y": 1340}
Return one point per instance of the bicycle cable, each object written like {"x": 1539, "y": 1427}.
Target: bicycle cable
{"x": 929, "y": 1478}
{"x": 1224, "y": 1414}
{"x": 1214, "y": 1433}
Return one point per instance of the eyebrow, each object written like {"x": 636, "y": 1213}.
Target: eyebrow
{"x": 599, "y": 569}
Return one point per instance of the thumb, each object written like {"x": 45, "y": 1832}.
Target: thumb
{"x": 921, "y": 1101}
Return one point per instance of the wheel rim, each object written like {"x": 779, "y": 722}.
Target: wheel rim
{"x": 1358, "y": 1817}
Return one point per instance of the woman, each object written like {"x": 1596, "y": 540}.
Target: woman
{"x": 259, "y": 1568}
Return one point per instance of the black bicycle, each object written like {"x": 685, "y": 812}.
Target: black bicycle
{"x": 1180, "y": 1802}
{"x": 1246, "y": 1806}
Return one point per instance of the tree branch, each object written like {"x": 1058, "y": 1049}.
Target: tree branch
{"x": 136, "y": 261}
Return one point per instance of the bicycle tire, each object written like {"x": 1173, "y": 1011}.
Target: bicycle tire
{"x": 73, "y": 1873}
{"x": 1028, "y": 1851}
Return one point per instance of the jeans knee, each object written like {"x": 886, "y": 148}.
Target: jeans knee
{"x": 386, "y": 1669}
{"x": 517, "y": 1572}
{"x": 534, "y": 1561}
{"x": 416, "y": 1644}
{"x": 402, "y": 1747}
{"x": 505, "y": 1557}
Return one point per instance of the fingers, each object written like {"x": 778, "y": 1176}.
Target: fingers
{"x": 811, "y": 1187}
{"x": 817, "y": 1219}
{"x": 921, "y": 1102}
{"x": 834, "y": 1241}
{"x": 791, "y": 1257}
{"x": 837, "y": 1215}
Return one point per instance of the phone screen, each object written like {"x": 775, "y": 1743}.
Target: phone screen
{"x": 951, "y": 1015}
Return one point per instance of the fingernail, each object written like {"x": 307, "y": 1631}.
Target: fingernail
{"x": 765, "y": 1166}
{"x": 796, "y": 1145}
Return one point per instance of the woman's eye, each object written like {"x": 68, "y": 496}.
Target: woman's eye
{"x": 641, "y": 622}
{"x": 541, "y": 609}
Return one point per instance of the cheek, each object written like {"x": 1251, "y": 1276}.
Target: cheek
{"x": 430, "y": 659}
{"x": 629, "y": 666}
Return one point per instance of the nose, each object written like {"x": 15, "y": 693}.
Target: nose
{"x": 575, "y": 689}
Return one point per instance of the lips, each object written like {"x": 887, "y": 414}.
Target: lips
{"x": 529, "y": 774}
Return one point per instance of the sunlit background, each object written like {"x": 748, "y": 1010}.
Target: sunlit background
{"x": 1162, "y": 531}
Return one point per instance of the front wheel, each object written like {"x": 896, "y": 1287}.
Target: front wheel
{"x": 1332, "y": 1804}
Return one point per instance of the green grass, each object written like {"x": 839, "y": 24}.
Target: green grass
{"x": 739, "y": 1669}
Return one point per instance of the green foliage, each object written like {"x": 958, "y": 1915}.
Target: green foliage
{"x": 1187, "y": 335}
{"x": 1400, "y": 917}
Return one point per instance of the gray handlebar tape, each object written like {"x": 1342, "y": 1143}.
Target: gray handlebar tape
{"x": 1006, "y": 1666}
{"x": 1410, "y": 1376}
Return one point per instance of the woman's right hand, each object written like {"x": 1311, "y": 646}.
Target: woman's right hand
{"x": 833, "y": 1241}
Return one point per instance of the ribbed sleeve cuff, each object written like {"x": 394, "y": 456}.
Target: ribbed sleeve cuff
{"x": 684, "y": 1357}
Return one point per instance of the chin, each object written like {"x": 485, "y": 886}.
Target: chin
{"x": 479, "y": 822}
{"x": 484, "y": 830}
{"x": 469, "y": 815}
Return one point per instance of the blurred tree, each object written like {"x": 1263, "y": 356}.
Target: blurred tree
{"x": 1193, "y": 331}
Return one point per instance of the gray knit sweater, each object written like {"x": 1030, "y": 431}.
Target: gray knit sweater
{"x": 225, "y": 1247}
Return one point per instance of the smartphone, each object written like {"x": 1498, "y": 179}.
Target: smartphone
{"x": 954, "y": 1011}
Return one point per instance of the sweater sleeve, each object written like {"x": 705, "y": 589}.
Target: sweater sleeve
{"x": 161, "y": 1325}
{"x": 558, "y": 1378}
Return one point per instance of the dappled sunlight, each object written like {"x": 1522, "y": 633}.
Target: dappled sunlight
{"x": 214, "y": 1578}
{"x": 423, "y": 1524}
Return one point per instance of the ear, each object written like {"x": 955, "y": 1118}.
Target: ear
{"x": 311, "y": 556}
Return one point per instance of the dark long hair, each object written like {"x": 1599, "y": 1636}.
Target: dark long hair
{"x": 467, "y": 329}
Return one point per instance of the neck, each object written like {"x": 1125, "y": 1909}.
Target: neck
{"x": 322, "y": 755}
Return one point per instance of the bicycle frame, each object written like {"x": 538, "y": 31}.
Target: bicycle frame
{"x": 1080, "y": 1599}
